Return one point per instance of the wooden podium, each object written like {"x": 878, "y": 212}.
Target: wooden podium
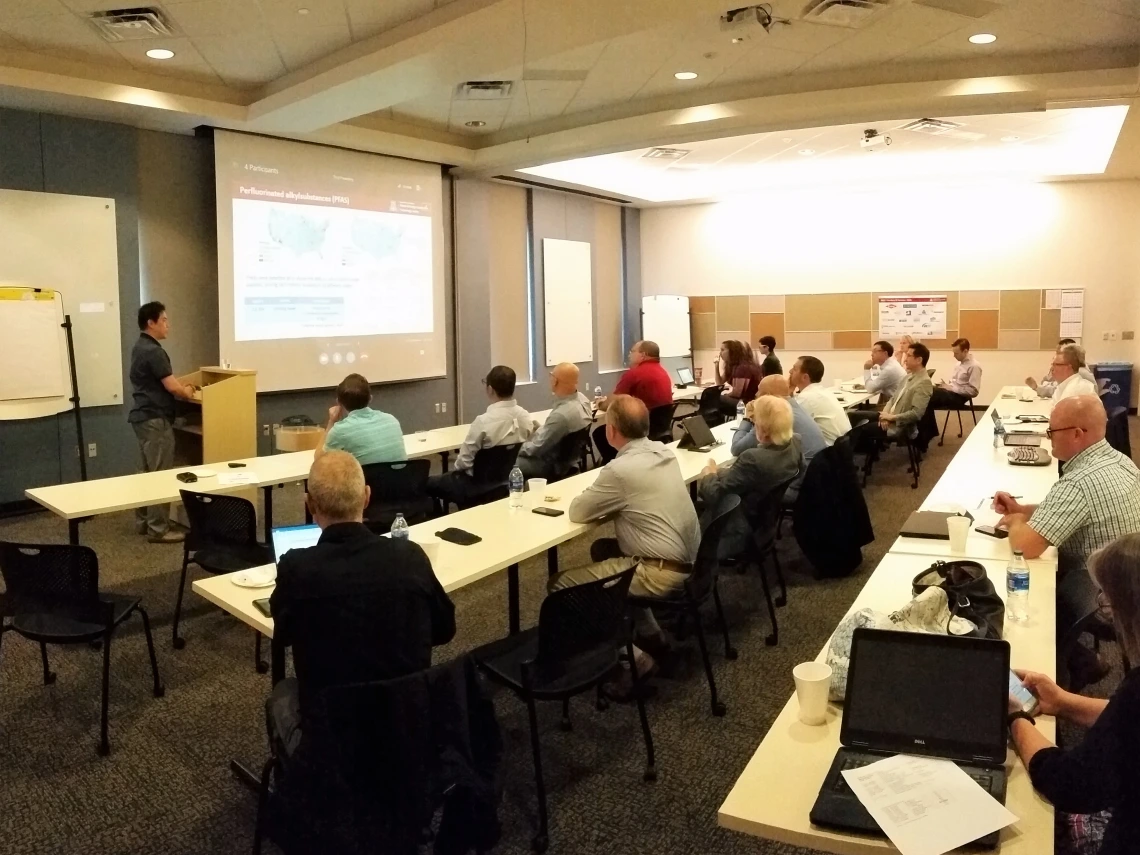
{"x": 221, "y": 424}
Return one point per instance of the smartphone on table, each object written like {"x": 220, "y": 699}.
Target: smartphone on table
{"x": 999, "y": 533}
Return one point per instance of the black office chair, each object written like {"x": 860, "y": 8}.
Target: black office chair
{"x": 763, "y": 514}
{"x": 699, "y": 587}
{"x": 570, "y": 455}
{"x": 489, "y": 472}
{"x": 1117, "y": 432}
{"x": 397, "y": 488}
{"x": 573, "y": 649}
{"x": 1077, "y": 615}
{"x": 969, "y": 402}
{"x": 708, "y": 407}
{"x": 661, "y": 422}
{"x": 52, "y": 597}
{"x": 222, "y": 539}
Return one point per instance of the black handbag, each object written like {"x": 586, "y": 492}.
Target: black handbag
{"x": 969, "y": 594}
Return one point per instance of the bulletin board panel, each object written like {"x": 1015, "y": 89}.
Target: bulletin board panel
{"x": 665, "y": 320}
{"x": 1007, "y": 319}
{"x": 568, "y": 286}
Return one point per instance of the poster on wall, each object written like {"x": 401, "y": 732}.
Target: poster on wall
{"x": 920, "y": 317}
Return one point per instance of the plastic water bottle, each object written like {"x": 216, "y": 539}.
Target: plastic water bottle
{"x": 400, "y": 527}
{"x": 740, "y": 411}
{"x": 515, "y": 482}
{"x": 1017, "y": 588}
{"x": 999, "y": 434}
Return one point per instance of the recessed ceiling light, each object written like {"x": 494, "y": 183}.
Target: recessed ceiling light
{"x": 1010, "y": 138}
{"x": 160, "y": 53}
{"x": 807, "y": 152}
{"x": 686, "y": 75}
{"x": 983, "y": 38}
{"x": 738, "y": 40}
{"x": 475, "y": 123}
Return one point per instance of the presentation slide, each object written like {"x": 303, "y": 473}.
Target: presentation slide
{"x": 329, "y": 262}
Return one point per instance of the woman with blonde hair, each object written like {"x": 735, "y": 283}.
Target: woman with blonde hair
{"x": 903, "y": 348}
{"x": 1100, "y": 773}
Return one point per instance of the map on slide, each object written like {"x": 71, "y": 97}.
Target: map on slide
{"x": 303, "y": 271}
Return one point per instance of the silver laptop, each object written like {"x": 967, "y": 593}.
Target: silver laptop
{"x": 685, "y": 375}
{"x": 294, "y": 537}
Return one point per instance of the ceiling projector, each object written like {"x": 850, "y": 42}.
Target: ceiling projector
{"x": 872, "y": 139}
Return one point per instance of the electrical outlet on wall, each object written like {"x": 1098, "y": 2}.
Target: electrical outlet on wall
{"x": 1128, "y": 335}
{"x": 445, "y": 406}
{"x": 1105, "y": 338}
{"x": 1112, "y": 335}
{"x": 265, "y": 430}
{"x": 92, "y": 450}
{"x": 437, "y": 406}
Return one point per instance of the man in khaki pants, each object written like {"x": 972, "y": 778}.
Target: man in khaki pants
{"x": 153, "y": 390}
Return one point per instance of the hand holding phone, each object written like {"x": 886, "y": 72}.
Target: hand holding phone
{"x": 1022, "y": 695}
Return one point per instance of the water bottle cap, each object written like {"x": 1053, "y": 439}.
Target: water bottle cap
{"x": 1017, "y": 552}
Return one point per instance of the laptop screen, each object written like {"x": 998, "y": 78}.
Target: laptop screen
{"x": 685, "y": 375}
{"x": 921, "y": 693}
{"x": 294, "y": 537}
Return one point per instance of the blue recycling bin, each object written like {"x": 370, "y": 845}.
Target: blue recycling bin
{"x": 1118, "y": 390}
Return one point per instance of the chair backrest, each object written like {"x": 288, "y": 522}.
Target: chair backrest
{"x": 51, "y": 577}
{"x": 1077, "y": 606}
{"x": 709, "y": 406}
{"x": 930, "y": 372}
{"x": 583, "y": 619}
{"x": 661, "y": 422}
{"x": 763, "y": 511}
{"x": 493, "y": 465}
{"x": 219, "y": 519}
{"x": 393, "y": 482}
{"x": 1117, "y": 431}
{"x": 700, "y": 581}
{"x": 569, "y": 452}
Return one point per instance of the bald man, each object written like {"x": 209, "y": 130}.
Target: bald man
{"x": 538, "y": 458}
{"x": 803, "y": 426}
{"x": 1096, "y": 500}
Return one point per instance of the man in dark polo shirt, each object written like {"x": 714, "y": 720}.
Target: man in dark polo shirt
{"x": 645, "y": 380}
{"x": 153, "y": 390}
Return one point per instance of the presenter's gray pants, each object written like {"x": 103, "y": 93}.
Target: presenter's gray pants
{"x": 156, "y": 447}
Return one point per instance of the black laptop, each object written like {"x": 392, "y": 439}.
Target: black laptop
{"x": 930, "y": 525}
{"x": 685, "y": 375}
{"x": 697, "y": 436}
{"x": 919, "y": 693}
{"x": 1017, "y": 437}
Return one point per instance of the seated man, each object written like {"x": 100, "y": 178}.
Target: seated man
{"x": 1048, "y": 384}
{"x": 776, "y": 458}
{"x": 570, "y": 414}
{"x": 903, "y": 412}
{"x": 820, "y": 404}
{"x": 807, "y": 432}
{"x": 882, "y": 374}
{"x": 371, "y": 436}
{"x": 1067, "y": 365}
{"x": 355, "y": 608}
{"x": 965, "y": 382}
{"x": 643, "y": 492}
{"x": 504, "y": 423}
{"x": 645, "y": 380}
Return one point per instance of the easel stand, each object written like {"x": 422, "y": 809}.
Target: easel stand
{"x": 75, "y": 398}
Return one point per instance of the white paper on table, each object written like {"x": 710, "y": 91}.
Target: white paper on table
{"x": 926, "y": 806}
{"x": 230, "y": 478}
{"x": 1053, "y": 299}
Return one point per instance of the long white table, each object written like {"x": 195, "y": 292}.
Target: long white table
{"x": 774, "y": 794}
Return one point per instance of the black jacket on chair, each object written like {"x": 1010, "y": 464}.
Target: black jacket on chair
{"x": 831, "y": 520}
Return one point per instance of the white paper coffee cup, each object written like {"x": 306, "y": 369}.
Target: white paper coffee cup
{"x": 813, "y": 681}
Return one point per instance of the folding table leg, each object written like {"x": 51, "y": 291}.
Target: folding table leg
{"x": 513, "y": 597}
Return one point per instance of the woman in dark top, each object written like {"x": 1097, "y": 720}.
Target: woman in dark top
{"x": 739, "y": 374}
{"x": 1100, "y": 774}
{"x": 770, "y": 365}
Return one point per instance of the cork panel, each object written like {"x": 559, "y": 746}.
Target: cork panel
{"x": 804, "y": 344}
{"x": 1020, "y": 310}
{"x": 703, "y": 329}
{"x": 732, "y": 313}
{"x": 701, "y": 305}
{"x": 977, "y": 300}
{"x": 1018, "y": 339}
{"x": 851, "y": 340}
{"x": 952, "y": 304}
{"x": 730, "y": 335}
{"x": 981, "y": 328}
{"x": 766, "y": 303}
{"x": 1050, "y": 329}
{"x": 809, "y": 312}
{"x": 766, "y": 323}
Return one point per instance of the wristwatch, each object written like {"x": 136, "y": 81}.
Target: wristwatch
{"x": 1013, "y": 716}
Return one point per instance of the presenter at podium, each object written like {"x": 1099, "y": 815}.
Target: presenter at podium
{"x": 153, "y": 390}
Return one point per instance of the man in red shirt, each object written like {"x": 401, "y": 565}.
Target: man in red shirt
{"x": 645, "y": 379}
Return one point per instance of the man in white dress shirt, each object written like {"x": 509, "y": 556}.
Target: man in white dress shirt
{"x": 820, "y": 404}
{"x": 881, "y": 373}
{"x": 1067, "y": 362}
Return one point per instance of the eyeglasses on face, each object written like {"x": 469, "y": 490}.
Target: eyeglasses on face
{"x": 1050, "y": 431}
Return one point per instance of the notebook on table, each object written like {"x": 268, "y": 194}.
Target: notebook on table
{"x": 899, "y": 701}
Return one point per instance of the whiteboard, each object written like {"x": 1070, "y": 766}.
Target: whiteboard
{"x": 69, "y": 244}
{"x": 665, "y": 320}
{"x": 920, "y": 317}
{"x": 567, "y": 276}
{"x": 34, "y": 340}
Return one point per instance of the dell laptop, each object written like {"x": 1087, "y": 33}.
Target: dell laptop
{"x": 685, "y": 375}
{"x": 294, "y": 537}
{"x": 1015, "y": 438}
{"x": 697, "y": 436}
{"x": 918, "y": 693}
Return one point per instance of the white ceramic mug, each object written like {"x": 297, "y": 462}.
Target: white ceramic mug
{"x": 959, "y": 528}
{"x": 537, "y": 489}
{"x": 813, "y": 681}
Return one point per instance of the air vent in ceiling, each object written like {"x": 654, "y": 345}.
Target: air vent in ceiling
{"x": 666, "y": 153}
{"x": 844, "y": 13}
{"x": 483, "y": 90}
{"x": 123, "y": 25}
{"x": 934, "y": 127}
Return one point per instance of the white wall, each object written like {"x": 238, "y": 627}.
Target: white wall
{"x": 997, "y": 236}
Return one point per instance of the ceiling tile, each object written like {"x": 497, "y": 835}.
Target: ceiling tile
{"x": 579, "y": 59}
{"x": 13, "y": 9}
{"x": 432, "y": 110}
{"x": 187, "y": 63}
{"x": 1011, "y": 42}
{"x": 625, "y": 65}
{"x": 707, "y": 62}
{"x": 216, "y": 17}
{"x": 64, "y": 34}
{"x": 760, "y": 63}
{"x": 242, "y": 61}
{"x": 1120, "y": 7}
{"x": 1076, "y": 22}
{"x": 803, "y": 36}
{"x": 284, "y": 15}
{"x": 370, "y": 17}
{"x": 301, "y": 47}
